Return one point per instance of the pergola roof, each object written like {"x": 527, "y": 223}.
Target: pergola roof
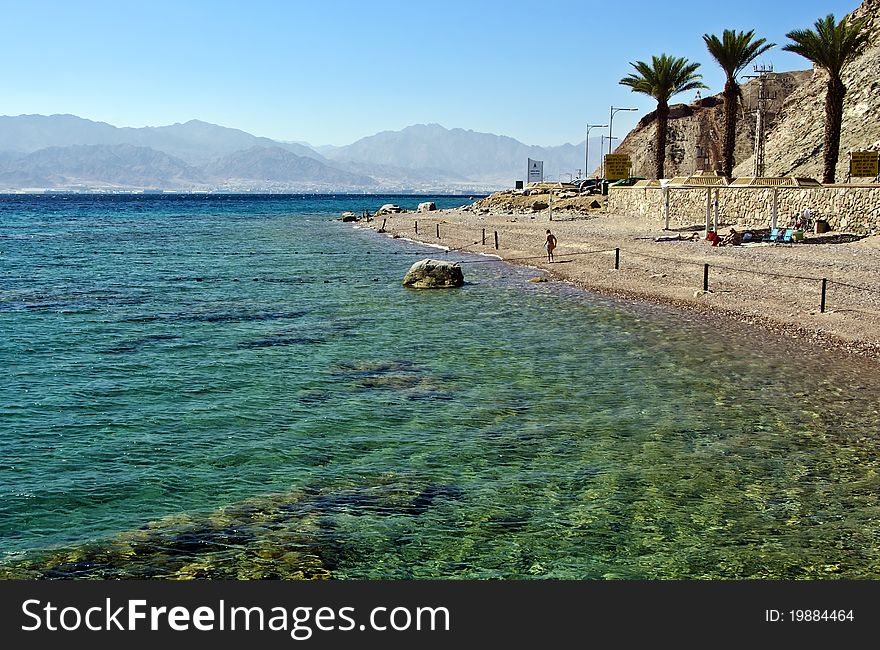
{"x": 699, "y": 179}
{"x": 775, "y": 181}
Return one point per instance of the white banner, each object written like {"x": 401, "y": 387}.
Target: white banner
{"x": 536, "y": 171}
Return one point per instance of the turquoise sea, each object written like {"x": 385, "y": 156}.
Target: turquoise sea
{"x": 240, "y": 387}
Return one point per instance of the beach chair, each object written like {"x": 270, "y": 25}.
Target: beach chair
{"x": 774, "y": 236}
{"x": 788, "y": 236}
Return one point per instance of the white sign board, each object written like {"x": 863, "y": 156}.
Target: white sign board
{"x": 536, "y": 171}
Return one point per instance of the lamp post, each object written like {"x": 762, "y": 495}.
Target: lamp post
{"x": 602, "y": 148}
{"x": 587, "y": 147}
{"x": 611, "y": 122}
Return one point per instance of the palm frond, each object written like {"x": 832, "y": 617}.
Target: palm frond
{"x": 663, "y": 77}
{"x": 831, "y": 45}
{"x": 735, "y": 50}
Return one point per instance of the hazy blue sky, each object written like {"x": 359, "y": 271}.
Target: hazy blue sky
{"x": 332, "y": 72}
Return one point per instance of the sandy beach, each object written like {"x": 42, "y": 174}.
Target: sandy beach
{"x": 747, "y": 283}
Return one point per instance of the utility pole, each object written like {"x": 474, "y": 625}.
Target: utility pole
{"x": 587, "y": 147}
{"x": 764, "y": 98}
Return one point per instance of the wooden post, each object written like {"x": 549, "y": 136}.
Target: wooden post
{"x": 438, "y": 231}
{"x": 705, "y": 277}
{"x": 616, "y": 258}
{"x": 496, "y": 240}
{"x": 383, "y": 225}
{"x": 822, "y": 303}
{"x": 550, "y": 203}
{"x": 417, "y": 227}
{"x": 484, "y": 236}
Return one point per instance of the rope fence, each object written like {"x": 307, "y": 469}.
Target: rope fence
{"x": 823, "y": 291}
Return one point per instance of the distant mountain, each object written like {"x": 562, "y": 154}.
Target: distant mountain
{"x": 475, "y": 156}
{"x": 277, "y": 165}
{"x": 194, "y": 142}
{"x": 124, "y": 166}
{"x": 69, "y": 152}
{"x": 390, "y": 174}
{"x": 120, "y": 165}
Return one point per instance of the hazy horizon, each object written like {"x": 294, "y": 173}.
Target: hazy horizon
{"x": 317, "y": 146}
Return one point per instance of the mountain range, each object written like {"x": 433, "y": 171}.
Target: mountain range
{"x": 66, "y": 152}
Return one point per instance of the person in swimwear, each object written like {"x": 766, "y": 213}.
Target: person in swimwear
{"x": 550, "y": 245}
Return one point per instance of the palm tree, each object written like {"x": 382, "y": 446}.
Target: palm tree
{"x": 831, "y": 47}
{"x": 733, "y": 52}
{"x": 664, "y": 77}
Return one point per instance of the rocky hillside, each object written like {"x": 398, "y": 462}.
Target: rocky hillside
{"x": 120, "y": 165}
{"x": 278, "y": 165}
{"x": 696, "y": 129}
{"x": 794, "y": 142}
{"x": 795, "y": 125}
{"x": 124, "y": 166}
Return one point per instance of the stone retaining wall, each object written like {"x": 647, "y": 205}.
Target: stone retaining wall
{"x": 849, "y": 209}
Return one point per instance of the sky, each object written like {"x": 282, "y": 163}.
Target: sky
{"x": 333, "y": 72}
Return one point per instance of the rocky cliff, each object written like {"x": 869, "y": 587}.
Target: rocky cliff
{"x": 696, "y": 129}
{"x": 795, "y": 125}
{"x": 794, "y": 141}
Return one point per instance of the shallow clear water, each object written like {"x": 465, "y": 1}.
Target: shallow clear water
{"x": 240, "y": 387}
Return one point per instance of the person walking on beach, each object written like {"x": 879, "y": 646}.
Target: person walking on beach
{"x": 550, "y": 245}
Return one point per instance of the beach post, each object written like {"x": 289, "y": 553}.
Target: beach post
{"x": 550, "y": 203}
{"x": 616, "y": 259}
{"x": 438, "y": 231}
{"x": 383, "y": 225}
{"x": 822, "y": 301}
{"x": 417, "y": 227}
{"x": 705, "y": 277}
{"x": 484, "y": 236}
{"x": 496, "y": 240}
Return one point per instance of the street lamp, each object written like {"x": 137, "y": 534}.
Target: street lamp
{"x": 611, "y": 122}
{"x": 602, "y": 148}
{"x": 587, "y": 147}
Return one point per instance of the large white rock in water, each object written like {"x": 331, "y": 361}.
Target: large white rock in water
{"x": 433, "y": 274}
{"x": 388, "y": 208}
{"x": 427, "y": 206}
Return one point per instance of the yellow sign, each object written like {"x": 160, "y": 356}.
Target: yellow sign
{"x": 863, "y": 163}
{"x": 617, "y": 166}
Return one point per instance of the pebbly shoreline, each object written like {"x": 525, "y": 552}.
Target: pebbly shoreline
{"x": 774, "y": 287}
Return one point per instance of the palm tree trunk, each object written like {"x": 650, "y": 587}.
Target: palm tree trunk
{"x": 833, "y": 120}
{"x": 662, "y": 123}
{"x": 731, "y": 97}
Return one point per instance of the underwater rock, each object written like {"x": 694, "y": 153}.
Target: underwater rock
{"x": 294, "y": 535}
{"x": 433, "y": 274}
